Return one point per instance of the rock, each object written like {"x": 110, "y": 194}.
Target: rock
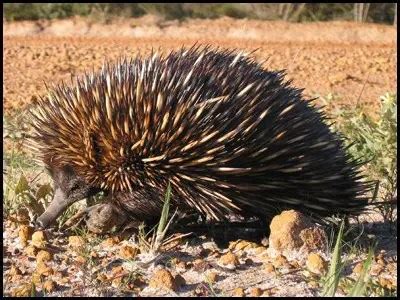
{"x": 24, "y": 233}
{"x": 101, "y": 277}
{"x": 37, "y": 278}
{"x": 117, "y": 270}
{"x": 49, "y": 286}
{"x": 267, "y": 293}
{"x": 31, "y": 251}
{"x": 80, "y": 260}
{"x": 316, "y": 264}
{"x": 233, "y": 244}
{"x": 22, "y": 291}
{"x": 241, "y": 245}
{"x": 181, "y": 266}
{"x": 238, "y": 292}
{"x": 128, "y": 252}
{"x": 387, "y": 283}
{"x": 65, "y": 280}
{"x": 285, "y": 230}
{"x": 294, "y": 265}
{"x": 293, "y": 233}
{"x": 43, "y": 269}
{"x": 358, "y": 268}
{"x": 163, "y": 279}
{"x": 199, "y": 265}
{"x": 269, "y": 268}
{"x": 111, "y": 241}
{"x": 229, "y": 259}
{"x": 43, "y": 256}
{"x": 211, "y": 277}
{"x": 313, "y": 284}
{"x": 251, "y": 245}
{"x": 39, "y": 239}
{"x": 260, "y": 249}
{"x": 376, "y": 269}
{"x": 280, "y": 261}
{"x": 116, "y": 282}
{"x": 76, "y": 242}
{"x": 94, "y": 254}
{"x": 201, "y": 290}
{"x": 255, "y": 292}
{"x": 14, "y": 270}
{"x": 314, "y": 238}
{"x": 384, "y": 282}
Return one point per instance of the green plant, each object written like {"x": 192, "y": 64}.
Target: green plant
{"x": 360, "y": 286}
{"x": 22, "y": 186}
{"x": 331, "y": 280}
{"x": 375, "y": 141}
{"x": 26, "y": 194}
{"x": 33, "y": 290}
{"x": 163, "y": 224}
{"x": 36, "y": 11}
{"x": 157, "y": 240}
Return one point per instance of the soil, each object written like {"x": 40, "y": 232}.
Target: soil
{"x": 353, "y": 62}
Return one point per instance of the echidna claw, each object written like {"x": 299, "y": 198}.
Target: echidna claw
{"x": 99, "y": 218}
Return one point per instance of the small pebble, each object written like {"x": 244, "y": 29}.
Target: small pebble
{"x": 269, "y": 268}
{"x": 43, "y": 256}
{"x": 49, "y": 286}
{"x": 280, "y": 261}
{"x": 212, "y": 277}
{"x": 31, "y": 251}
{"x": 128, "y": 252}
{"x": 229, "y": 259}
{"x": 76, "y": 242}
{"x": 39, "y": 239}
{"x": 163, "y": 279}
{"x": 316, "y": 264}
{"x": 24, "y": 234}
{"x": 255, "y": 292}
{"x": 238, "y": 292}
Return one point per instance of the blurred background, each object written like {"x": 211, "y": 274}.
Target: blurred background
{"x": 294, "y": 12}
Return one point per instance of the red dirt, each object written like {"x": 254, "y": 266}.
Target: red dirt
{"x": 342, "y": 58}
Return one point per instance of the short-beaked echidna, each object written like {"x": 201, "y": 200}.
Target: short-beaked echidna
{"x": 229, "y": 136}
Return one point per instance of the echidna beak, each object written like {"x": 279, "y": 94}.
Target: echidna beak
{"x": 57, "y": 206}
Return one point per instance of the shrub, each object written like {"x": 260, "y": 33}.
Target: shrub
{"x": 374, "y": 140}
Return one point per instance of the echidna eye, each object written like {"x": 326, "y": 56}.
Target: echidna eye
{"x": 74, "y": 186}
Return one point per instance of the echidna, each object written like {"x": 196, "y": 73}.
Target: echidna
{"x": 229, "y": 136}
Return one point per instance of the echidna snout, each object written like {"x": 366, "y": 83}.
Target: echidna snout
{"x": 68, "y": 188}
{"x": 229, "y": 137}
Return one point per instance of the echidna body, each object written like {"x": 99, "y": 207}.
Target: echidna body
{"x": 229, "y": 136}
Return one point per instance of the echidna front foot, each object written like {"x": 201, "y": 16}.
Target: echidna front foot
{"x": 101, "y": 218}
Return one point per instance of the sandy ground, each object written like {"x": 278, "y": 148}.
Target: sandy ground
{"x": 349, "y": 60}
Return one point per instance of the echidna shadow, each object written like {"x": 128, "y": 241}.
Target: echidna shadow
{"x": 230, "y": 137}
